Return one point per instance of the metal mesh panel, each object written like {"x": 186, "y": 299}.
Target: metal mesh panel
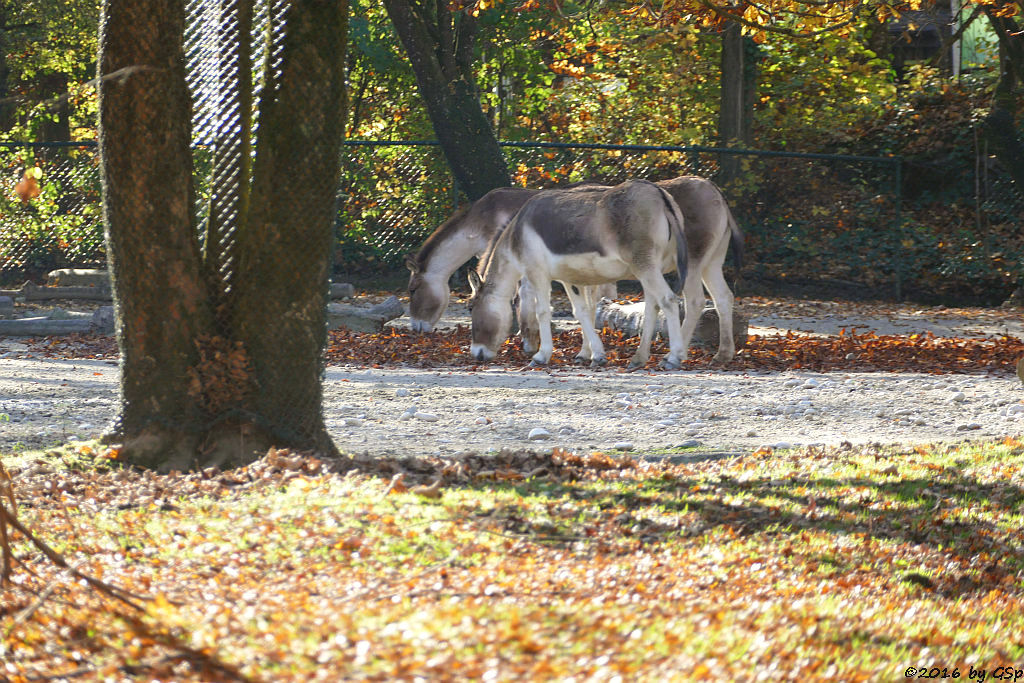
{"x": 805, "y": 216}
{"x": 50, "y": 215}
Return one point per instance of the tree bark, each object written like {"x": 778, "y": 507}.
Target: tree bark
{"x": 439, "y": 45}
{"x": 146, "y": 167}
{"x": 739, "y": 87}
{"x": 280, "y": 309}
{"x": 1000, "y": 126}
{"x": 218, "y": 366}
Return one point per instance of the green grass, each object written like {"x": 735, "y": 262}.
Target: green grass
{"x": 826, "y": 563}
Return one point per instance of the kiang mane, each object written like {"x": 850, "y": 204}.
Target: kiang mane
{"x": 439, "y": 235}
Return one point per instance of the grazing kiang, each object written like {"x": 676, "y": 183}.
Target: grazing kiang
{"x": 465, "y": 235}
{"x": 710, "y": 228}
{"x": 708, "y": 224}
{"x": 583, "y": 237}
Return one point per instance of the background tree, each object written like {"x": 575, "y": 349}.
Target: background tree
{"x": 216, "y": 371}
{"x": 47, "y": 50}
{"x": 440, "y": 44}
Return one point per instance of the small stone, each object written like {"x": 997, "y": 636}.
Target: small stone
{"x": 426, "y": 417}
{"x": 782, "y": 445}
{"x": 751, "y": 432}
{"x": 353, "y": 422}
{"x": 401, "y": 393}
{"x": 792, "y": 383}
{"x": 538, "y": 434}
{"x": 968, "y": 427}
{"x": 958, "y": 397}
{"x": 690, "y": 443}
{"x": 482, "y": 421}
{"x": 811, "y": 383}
{"x": 623, "y": 446}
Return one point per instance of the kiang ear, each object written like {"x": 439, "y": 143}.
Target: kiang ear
{"x": 474, "y": 281}
{"x": 411, "y": 263}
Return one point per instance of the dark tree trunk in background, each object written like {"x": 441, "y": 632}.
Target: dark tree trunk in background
{"x": 160, "y": 294}
{"x": 1000, "y": 126}
{"x": 215, "y": 374}
{"x": 739, "y": 87}
{"x": 439, "y": 45}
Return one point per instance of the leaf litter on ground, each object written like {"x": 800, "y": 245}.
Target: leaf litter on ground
{"x": 847, "y": 562}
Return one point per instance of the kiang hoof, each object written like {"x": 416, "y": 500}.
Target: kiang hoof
{"x": 635, "y": 365}
{"x": 599, "y": 362}
{"x": 536, "y": 364}
{"x": 721, "y": 360}
{"x": 670, "y": 364}
{"x": 581, "y": 360}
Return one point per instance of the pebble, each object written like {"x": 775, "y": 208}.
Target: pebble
{"x": 691, "y": 443}
{"x": 958, "y": 397}
{"x": 401, "y": 393}
{"x": 968, "y": 427}
{"x": 426, "y": 417}
{"x": 623, "y": 445}
{"x": 538, "y": 434}
{"x": 353, "y": 422}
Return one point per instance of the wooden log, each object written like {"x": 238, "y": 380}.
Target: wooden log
{"x": 61, "y": 322}
{"x": 629, "y": 318}
{"x": 33, "y": 292}
{"x": 358, "y": 319}
{"x": 342, "y": 290}
{"x": 78, "y": 277}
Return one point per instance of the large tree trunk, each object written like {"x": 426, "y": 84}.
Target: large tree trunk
{"x": 280, "y": 309}
{"x": 219, "y": 364}
{"x": 159, "y": 292}
{"x": 439, "y": 45}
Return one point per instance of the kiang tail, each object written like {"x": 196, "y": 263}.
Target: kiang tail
{"x": 675, "y": 221}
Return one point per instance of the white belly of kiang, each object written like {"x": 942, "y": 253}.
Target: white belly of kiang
{"x": 588, "y": 269}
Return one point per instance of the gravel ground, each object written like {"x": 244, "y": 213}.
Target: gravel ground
{"x": 423, "y": 412}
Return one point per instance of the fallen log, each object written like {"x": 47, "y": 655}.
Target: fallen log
{"x": 359, "y": 319}
{"x": 629, "y": 319}
{"x": 33, "y": 292}
{"x": 61, "y": 322}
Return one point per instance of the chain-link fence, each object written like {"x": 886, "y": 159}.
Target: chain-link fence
{"x": 807, "y": 218}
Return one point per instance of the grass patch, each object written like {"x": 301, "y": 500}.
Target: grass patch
{"x": 852, "y": 563}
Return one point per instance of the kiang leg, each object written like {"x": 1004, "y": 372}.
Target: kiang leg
{"x": 693, "y": 306}
{"x": 658, "y": 295}
{"x": 723, "y": 298}
{"x": 583, "y": 309}
{"x": 542, "y": 293}
{"x": 528, "y": 330}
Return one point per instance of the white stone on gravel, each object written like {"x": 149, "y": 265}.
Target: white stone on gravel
{"x": 538, "y": 434}
{"x": 623, "y": 445}
{"x": 353, "y": 422}
{"x": 426, "y": 417}
{"x": 958, "y": 397}
{"x": 401, "y": 393}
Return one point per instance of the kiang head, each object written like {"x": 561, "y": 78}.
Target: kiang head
{"x": 492, "y": 319}
{"x": 428, "y": 297}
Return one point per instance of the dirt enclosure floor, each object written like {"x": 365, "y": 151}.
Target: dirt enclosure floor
{"x": 695, "y": 413}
